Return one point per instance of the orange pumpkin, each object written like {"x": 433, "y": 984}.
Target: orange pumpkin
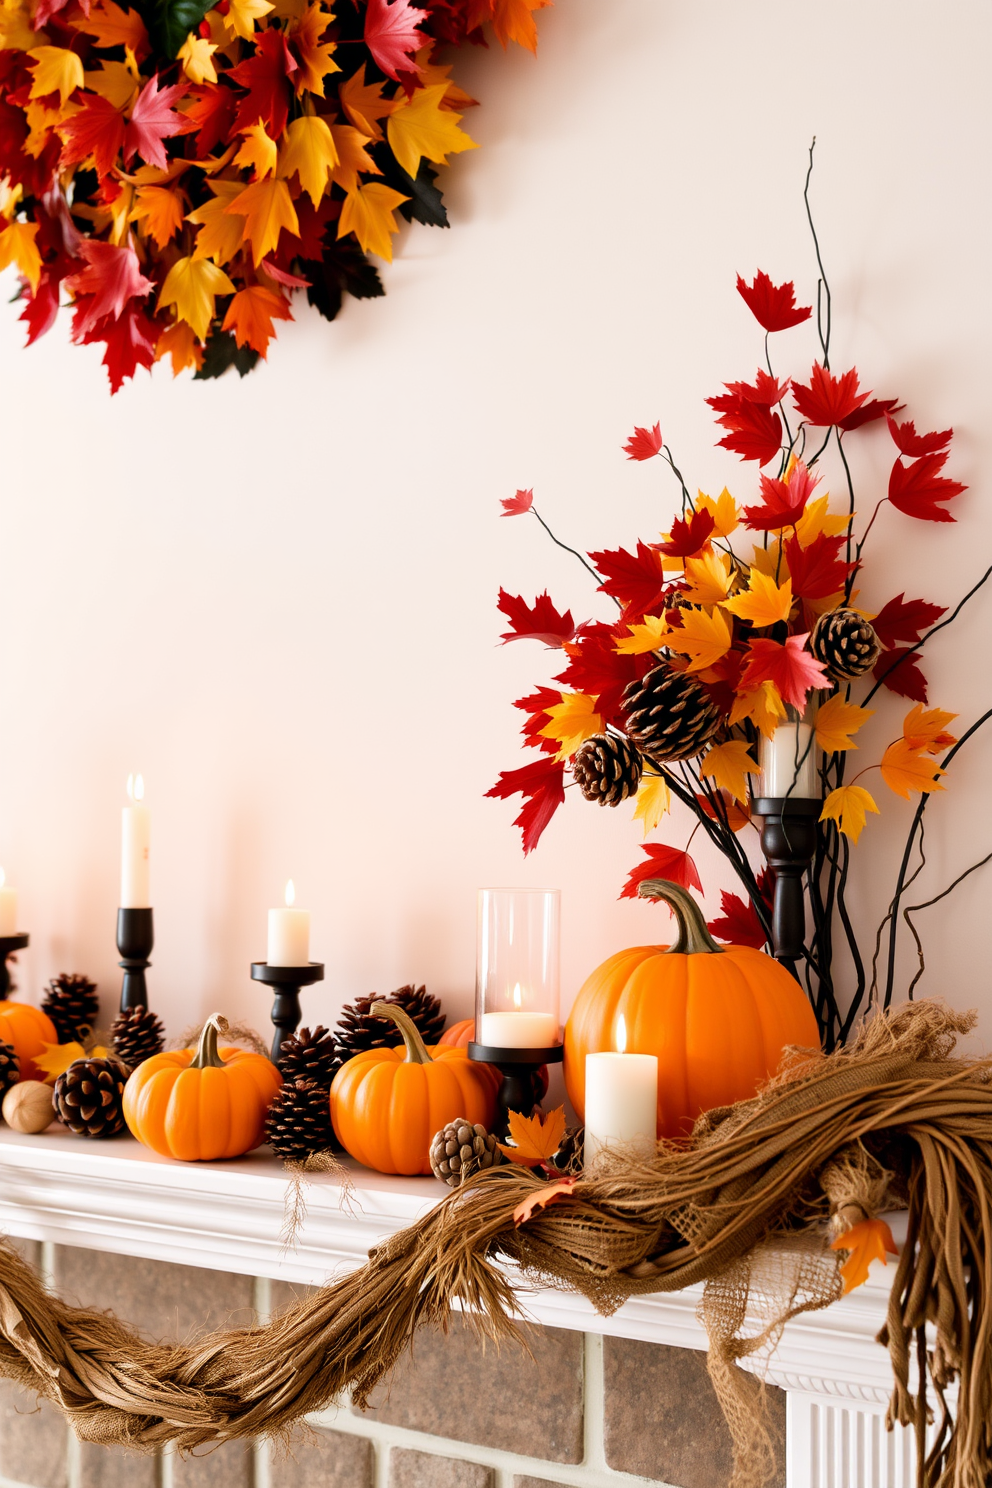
{"x": 27, "y": 1029}
{"x": 202, "y": 1104}
{"x": 459, "y": 1035}
{"x": 386, "y": 1104}
{"x": 717, "y": 1017}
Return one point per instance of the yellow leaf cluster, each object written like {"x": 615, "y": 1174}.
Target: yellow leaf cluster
{"x": 191, "y": 285}
{"x": 764, "y": 602}
{"x": 643, "y": 638}
{"x": 573, "y": 720}
{"x": 702, "y": 637}
{"x": 368, "y": 213}
{"x": 259, "y": 153}
{"x": 18, "y": 246}
{"x": 653, "y": 800}
{"x": 221, "y": 231}
{"x": 196, "y": 55}
{"x": 723, "y": 510}
{"x": 56, "y": 70}
{"x": 729, "y": 765}
{"x": 764, "y": 707}
{"x": 267, "y": 208}
{"x": 847, "y": 806}
{"x": 836, "y": 721}
{"x": 708, "y": 578}
{"x": 422, "y": 127}
{"x": 308, "y": 151}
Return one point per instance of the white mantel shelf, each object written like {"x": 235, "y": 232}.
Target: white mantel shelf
{"x": 117, "y": 1196}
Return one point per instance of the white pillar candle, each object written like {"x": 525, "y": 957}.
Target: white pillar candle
{"x": 135, "y": 844}
{"x": 519, "y": 1030}
{"x": 621, "y": 1101}
{"x": 788, "y": 763}
{"x": 8, "y": 907}
{"x": 289, "y": 934}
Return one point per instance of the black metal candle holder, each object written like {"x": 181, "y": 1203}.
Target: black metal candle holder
{"x": 788, "y": 841}
{"x": 8, "y": 945}
{"x": 286, "y": 982}
{"x": 520, "y": 1090}
{"x": 135, "y": 939}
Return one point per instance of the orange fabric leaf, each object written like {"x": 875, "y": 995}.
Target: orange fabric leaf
{"x": 541, "y": 1198}
{"x": 535, "y": 1138}
{"x": 868, "y": 1241}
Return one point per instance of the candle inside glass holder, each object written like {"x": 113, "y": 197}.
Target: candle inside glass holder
{"x": 788, "y": 763}
{"x": 516, "y": 997}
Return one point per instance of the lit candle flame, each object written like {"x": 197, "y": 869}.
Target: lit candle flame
{"x": 136, "y": 787}
{"x": 620, "y": 1035}
{"x": 290, "y": 893}
{"x": 517, "y": 996}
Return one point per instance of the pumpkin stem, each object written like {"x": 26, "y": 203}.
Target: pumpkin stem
{"x": 693, "y": 938}
{"x": 416, "y": 1049}
{"x": 207, "y": 1056}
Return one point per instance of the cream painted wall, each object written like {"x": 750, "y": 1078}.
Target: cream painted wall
{"x": 276, "y": 597}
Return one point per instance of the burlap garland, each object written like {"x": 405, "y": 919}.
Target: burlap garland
{"x": 893, "y": 1118}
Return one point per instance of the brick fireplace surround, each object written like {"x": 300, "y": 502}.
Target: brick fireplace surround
{"x": 595, "y": 1403}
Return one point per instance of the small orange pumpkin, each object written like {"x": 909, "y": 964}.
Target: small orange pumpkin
{"x": 203, "y": 1104}
{"x": 27, "y": 1029}
{"x": 386, "y": 1104}
{"x": 459, "y": 1035}
{"x": 717, "y": 1017}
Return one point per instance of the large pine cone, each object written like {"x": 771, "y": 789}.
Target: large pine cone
{"x": 669, "y": 715}
{"x": 460, "y": 1149}
{"x": 135, "y": 1035}
{"x": 310, "y": 1056}
{"x": 357, "y": 1030}
{"x": 607, "y": 769}
{"x": 89, "y": 1097}
{"x": 299, "y": 1121}
{"x": 846, "y": 643}
{"x": 71, "y": 1001}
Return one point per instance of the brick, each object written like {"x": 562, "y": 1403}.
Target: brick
{"x": 110, "y": 1467}
{"x": 409, "y": 1469}
{"x": 164, "y": 1301}
{"x": 322, "y": 1459}
{"x": 33, "y": 1439}
{"x": 662, "y": 1419}
{"x": 228, "y": 1466}
{"x": 528, "y": 1482}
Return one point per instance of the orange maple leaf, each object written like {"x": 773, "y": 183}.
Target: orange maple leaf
{"x": 906, "y": 769}
{"x": 541, "y": 1198}
{"x": 251, "y": 313}
{"x": 867, "y": 1242}
{"x": 535, "y": 1138}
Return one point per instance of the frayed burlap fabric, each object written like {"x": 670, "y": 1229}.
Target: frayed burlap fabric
{"x": 894, "y": 1119}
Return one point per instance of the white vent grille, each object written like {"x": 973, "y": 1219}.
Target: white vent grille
{"x": 836, "y": 1445}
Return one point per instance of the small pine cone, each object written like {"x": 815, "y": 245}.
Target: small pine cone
{"x": 568, "y": 1158}
{"x": 310, "y": 1056}
{"x": 357, "y": 1030}
{"x": 607, "y": 769}
{"x": 71, "y": 1002}
{"x": 669, "y": 715}
{"x": 846, "y": 643}
{"x": 461, "y": 1149}
{"x": 299, "y": 1121}
{"x": 135, "y": 1035}
{"x": 89, "y": 1097}
{"x": 9, "y": 1074}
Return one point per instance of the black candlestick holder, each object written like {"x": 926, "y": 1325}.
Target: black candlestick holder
{"x": 286, "y": 982}
{"x": 135, "y": 939}
{"x": 788, "y": 841}
{"x": 520, "y": 1090}
{"x": 8, "y": 945}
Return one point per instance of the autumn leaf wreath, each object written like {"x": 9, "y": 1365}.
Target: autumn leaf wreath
{"x": 182, "y": 169}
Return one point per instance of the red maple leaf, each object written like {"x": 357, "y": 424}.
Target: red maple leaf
{"x": 908, "y": 442}
{"x": 905, "y": 620}
{"x": 916, "y": 489}
{"x": 765, "y": 389}
{"x": 536, "y": 707}
{"x": 210, "y": 116}
{"x": 597, "y": 668}
{"x": 784, "y": 501}
{"x": 97, "y": 130}
{"x": 898, "y": 670}
{"x": 818, "y": 570}
{"x": 541, "y": 782}
{"x": 512, "y": 506}
{"x": 739, "y": 924}
{"x": 688, "y": 537}
{"x": 392, "y": 35}
{"x": 537, "y": 622}
{"x": 41, "y": 308}
{"x": 152, "y": 120}
{"x": 131, "y": 338}
{"x": 643, "y": 443}
{"x": 772, "y": 305}
{"x": 635, "y": 579}
{"x": 265, "y": 76}
{"x": 875, "y": 408}
{"x": 755, "y": 433}
{"x": 791, "y": 667}
{"x": 662, "y": 862}
{"x": 111, "y": 278}
{"x": 828, "y": 399}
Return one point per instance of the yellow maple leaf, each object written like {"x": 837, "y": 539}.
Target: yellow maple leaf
{"x": 308, "y": 151}
{"x": 817, "y": 519}
{"x": 771, "y": 561}
{"x": 868, "y": 1241}
{"x": 704, "y": 638}
{"x": 179, "y": 342}
{"x": 433, "y": 72}
{"x": 242, "y": 15}
{"x": 906, "y": 769}
{"x": 16, "y": 31}
{"x": 764, "y": 707}
{"x": 315, "y": 60}
{"x": 764, "y": 602}
{"x": 723, "y": 510}
{"x": 729, "y": 765}
{"x": 192, "y": 285}
{"x": 653, "y": 799}
{"x": 926, "y": 729}
{"x": 368, "y": 213}
{"x": 573, "y": 720}
{"x": 56, "y": 70}
{"x": 353, "y": 158}
{"x": 196, "y": 55}
{"x": 643, "y": 638}
{"x": 534, "y": 1139}
{"x": 364, "y": 104}
{"x": 836, "y": 721}
{"x": 160, "y": 209}
{"x": 847, "y": 806}
{"x": 708, "y": 578}
{"x": 18, "y": 246}
{"x": 258, "y": 153}
{"x": 115, "y": 82}
{"x": 221, "y": 232}
{"x": 421, "y": 127}
{"x": 55, "y": 1058}
{"x": 267, "y": 208}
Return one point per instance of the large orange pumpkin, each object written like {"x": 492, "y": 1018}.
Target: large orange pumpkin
{"x": 386, "y": 1104}
{"x": 27, "y": 1029}
{"x": 201, "y": 1104}
{"x": 459, "y": 1035}
{"x": 717, "y": 1017}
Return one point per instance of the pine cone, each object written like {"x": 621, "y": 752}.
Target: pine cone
{"x": 357, "y": 1030}
{"x": 9, "y": 1074}
{"x": 299, "y": 1121}
{"x": 461, "y": 1149}
{"x": 669, "y": 715}
{"x": 568, "y": 1158}
{"x": 71, "y": 1002}
{"x": 89, "y": 1097}
{"x": 310, "y": 1056}
{"x": 135, "y": 1035}
{"x": 846, "y": 643}
{"x": 607, "y": 769}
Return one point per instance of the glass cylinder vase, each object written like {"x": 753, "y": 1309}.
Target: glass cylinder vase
{"x": 517, "y": 980}
{"x": 788, "y": 763}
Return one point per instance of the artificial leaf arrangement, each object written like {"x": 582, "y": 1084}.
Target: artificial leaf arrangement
{"x": 744, "y": 616}
{"x": 181, "y": 169}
